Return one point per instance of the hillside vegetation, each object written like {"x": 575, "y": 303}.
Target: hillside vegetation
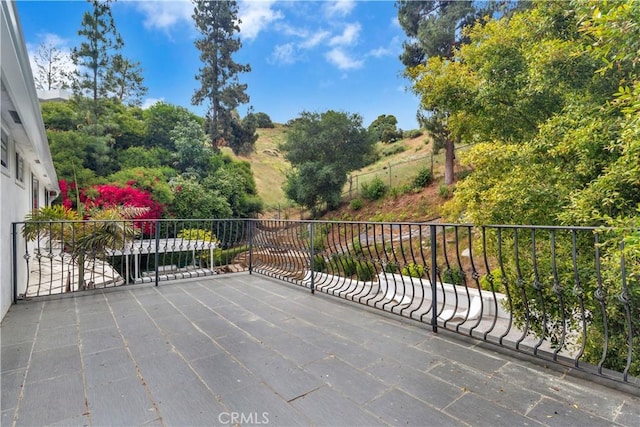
{"x": 397, "y": 165}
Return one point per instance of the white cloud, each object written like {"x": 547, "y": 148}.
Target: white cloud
{"x": 163, "y": 15}
{"x": 150, "y": 102}
{"x": 394, "y": 48}
{"x": 256, "y": 16}
{"x": 339, "y": 8}
{"x": 395, "y": 22}
{"x": 342, "y": 60}
{"x": 314, "y": 39}
{"x": 62, "y": 57}
{"x": 380, "y": 52}
{"x": 348, "y": 36}
{"x": 283, "y": 54}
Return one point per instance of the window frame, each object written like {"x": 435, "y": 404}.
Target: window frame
{"x": 19, "y": 169}
{"x": 5, "y": 157}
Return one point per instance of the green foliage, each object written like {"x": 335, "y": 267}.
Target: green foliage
{"x": 384, "y": 129}
{"x": 319, "y": 263}
{"x": 263, "y": 120}
{"x": 343, "y": 265}
{"x": 60, "y": 116}
{"x": 134, "y": 157}
{"x": 375, "y": 189}
{"x": 393, "y": 149}
{"x": 243, "y": 135}
{"x": 197, "y": 234}
{"x": 366, "y": 271}
{"x": 192, "y": 201}
{"x": 413, "y": 270}
{"x": 423, "y": 178}
{"x": 391, "y": 268}
{"x": 217, "y": 23}
{"x": 444, "y": 191}
{"x": 411, "y": 134}
{"x": 160, "y": 120}
{"x": 323, "y": 149}
{"x": 454, "y": 276}
{"x": 192, "y": 151}
{"x": 93, "y": 57}
{"x": 356, "y": 204}
{"x": 152, "y": 180}
{"x": 68, "y": 151}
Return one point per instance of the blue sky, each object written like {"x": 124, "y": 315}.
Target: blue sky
{"x": 305, "y": 55}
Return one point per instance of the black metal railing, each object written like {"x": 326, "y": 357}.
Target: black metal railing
{"x": 564, "y": 294}
{"x": 70, "y": 256}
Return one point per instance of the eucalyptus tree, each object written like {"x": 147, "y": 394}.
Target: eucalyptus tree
{"x": 218, "y": 24}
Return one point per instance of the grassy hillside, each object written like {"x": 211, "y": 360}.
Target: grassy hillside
{"x": 399, "y": 162}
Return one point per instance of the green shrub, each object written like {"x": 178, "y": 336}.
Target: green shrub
{"x": 391, "y": 268}
{"x": 374, "y": 190}
{"x": 356, "y": 204}
{"x": 319, "y": 263}
{"x": 366, "y": 271}
{"x": 343, "y": 264}
{"x": 485, "y": 284}
{"x": 455, "y": 276}
{"x": 393, "y": 149}
{"x": 410, "y": 134}
{"x": 197, "y": 234}
{"x": 413, "y": 270}
{"x": 444, "y": 191}
{"x": 424, "y": 178}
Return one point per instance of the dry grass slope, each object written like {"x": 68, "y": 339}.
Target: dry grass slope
{"x": 270, "y": 168}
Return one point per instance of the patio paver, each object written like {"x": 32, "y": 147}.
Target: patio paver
{"x": 247, "y": 350}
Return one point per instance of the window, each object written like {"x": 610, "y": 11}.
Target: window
{"x": 5, "y": 149}
{"x": 35, "y": 192}
{"x": 47, "y": 200}
{"x": 19, "y": 168}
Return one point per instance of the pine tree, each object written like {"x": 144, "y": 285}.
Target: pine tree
{"x": 218, "y": 23}
{"x": 126, "y": 80}
{"x": 93, "y": 57}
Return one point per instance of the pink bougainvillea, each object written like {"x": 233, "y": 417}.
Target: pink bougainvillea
{"x": 107, "y": 196}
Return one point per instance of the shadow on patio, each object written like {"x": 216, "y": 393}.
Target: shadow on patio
{"x": 245, "y": 349}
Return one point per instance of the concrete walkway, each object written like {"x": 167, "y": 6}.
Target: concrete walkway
{"x": 241, "y": 349}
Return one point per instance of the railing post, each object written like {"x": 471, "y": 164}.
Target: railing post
{"x": 434, "y": 279}
{"x": 311, "y": 252}
{"x": 157, "y": 257}
{"x": 251, "y": 225}
{"x": 14, "y": 261}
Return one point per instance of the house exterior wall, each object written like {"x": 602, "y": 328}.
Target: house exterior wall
{"x": 27, "y": 175}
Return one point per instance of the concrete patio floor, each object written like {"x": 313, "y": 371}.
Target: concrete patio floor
{"x": 242, "y": 349}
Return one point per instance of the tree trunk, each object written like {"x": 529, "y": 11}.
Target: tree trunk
{"x": 449, "y": 159}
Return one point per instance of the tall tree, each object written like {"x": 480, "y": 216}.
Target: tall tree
{"x": 323, "y": 149}
{"x": 126, "y": 80}
{"x": 218, "y": 23}
{"x": 435, "y": 30}
{"x": 93, "y": 57}
{"x": 52, "y": 67}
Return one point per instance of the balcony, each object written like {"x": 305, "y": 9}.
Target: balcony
{"x": 300, "y": 339}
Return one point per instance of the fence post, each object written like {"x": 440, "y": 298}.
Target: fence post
{"x": 157, "y": 257}
{"x": 251, "y": 225}
{"x": 15, "y": 262}
{"x": 434, "y": 279}
{"x": 311, "y": 251}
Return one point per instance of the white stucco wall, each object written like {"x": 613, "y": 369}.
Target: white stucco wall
{"x": 22, "y": 122}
